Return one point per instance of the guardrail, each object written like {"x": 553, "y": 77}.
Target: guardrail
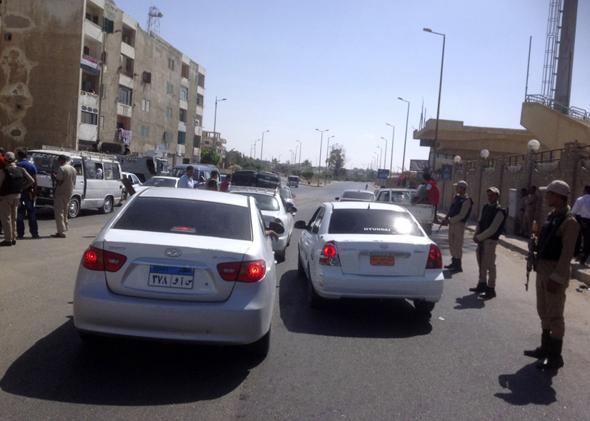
{"x": 574, "y": 112}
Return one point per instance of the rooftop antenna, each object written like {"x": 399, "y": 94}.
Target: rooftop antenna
{"x": 154, "y": 16}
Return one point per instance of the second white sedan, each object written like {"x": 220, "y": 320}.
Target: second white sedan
{"x": 369, "y": 250}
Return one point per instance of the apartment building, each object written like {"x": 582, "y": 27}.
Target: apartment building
{"x": 83, "y": 74}
{"x": 214, "y": 141}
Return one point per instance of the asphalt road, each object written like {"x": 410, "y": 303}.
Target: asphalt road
{"x": 354, "y": 360}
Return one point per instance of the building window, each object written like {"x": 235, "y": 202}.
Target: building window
{"x": 127, "y": 65}
{"x": 181, "y": 138}
{"x": 197, "y": 122}
{"x": 197, "y": 141}
{"x": 145, "y": 131}
{"x": 184, "y": 71}
{"x": 145, "y": 105}
{"x": 169, "y": 113}
{"x": 89, "y": 118}
{"x": 200, "y": 100}
{"x": 170, "y": 63}
{"x": 182, "y": 116}
{"x": 169, "y": 88}
{"x": 128, "y": 36}
{"x": 183, "y": 93}
{"x": 201, "y": 80}
{"x": 125, "y": 95}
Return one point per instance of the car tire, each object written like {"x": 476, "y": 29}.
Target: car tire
{"x": 108, "y": 205}
{"x": 261, "y": 347}
{"x": 280, "y": 255}
{"x": 314, "y": 300}
{"x": 74, "y": 208}
{"x": 424, "y": 308}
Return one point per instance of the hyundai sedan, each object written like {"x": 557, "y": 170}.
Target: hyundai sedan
{"x": 178, "y": 264}
{"x": 369, "y": 250}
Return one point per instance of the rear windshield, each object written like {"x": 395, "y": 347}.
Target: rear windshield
{"x": 372, "y": 221}
{"x": 359, "y": 195}
{"x": 293, "y": 178}
{"x": 264, "y": 201}
{"x": 190, "y": 217}
{"x": 160, "y": 182}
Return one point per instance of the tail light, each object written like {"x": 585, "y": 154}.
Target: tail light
{"x": 434, "y": 258}
{"x": 329, "y": 255}
{"x": 98, "y": 259}
{"x": 252, "y": 271}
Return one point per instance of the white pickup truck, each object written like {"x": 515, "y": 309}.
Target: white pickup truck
{"x": 424, "y": 214}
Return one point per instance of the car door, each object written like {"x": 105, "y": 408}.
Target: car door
{"x": 309, "y": 235}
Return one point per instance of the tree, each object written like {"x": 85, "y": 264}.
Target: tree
{"x": 307, "y": 173}
{"x": 209, "y": 156}
{"x": 336, "y": 161}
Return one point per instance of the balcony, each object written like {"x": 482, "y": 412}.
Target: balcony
{"x": 184, "y": 82}
{"x": 88, "y": 132}
{"x": 98, "y": 3}
{"x": 92, "y": 30}
{"x": 199, "y": 110}
{"x": 200, "y": 90}
{"x": 181, "y": 126}
{"x": 124, "y": 110}
{"x": 127, "y": 50}
{"x": 198, "y": 131}
{"x": 88, "y": 100}
{"x": 180, "y": 149}
{"x": 183, "y": 104}
{"x": 126, "y": 81}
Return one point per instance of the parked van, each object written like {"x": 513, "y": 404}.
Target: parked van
{"x": 201, "y": 175}
{"x": 144, "y": 167}
{"x": 293, "y": 181}
{"x": 98, "y": 181}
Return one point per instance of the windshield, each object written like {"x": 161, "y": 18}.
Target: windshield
{"x": 372, "y": 221}
{"x": 293, "y": 178}
{"x": 45, "y": 162}
{"x": 358, "y": 195}
{"x": 161, "y": 182}
{"x": 264, "y": 201}
{"x": 189, "y": 217}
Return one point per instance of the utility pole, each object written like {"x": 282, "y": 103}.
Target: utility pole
{"x": 320, "y": 157}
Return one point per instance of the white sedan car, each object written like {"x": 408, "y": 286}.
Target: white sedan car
{"x": 369, "y": 250}
{"x": 178, "y": 264}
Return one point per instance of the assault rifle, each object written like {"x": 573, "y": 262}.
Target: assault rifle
{"x": 531, "y": 259}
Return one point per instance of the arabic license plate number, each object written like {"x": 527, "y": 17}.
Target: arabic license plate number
{"x": 171, "y": 277}
{"x": 377, "y": 260}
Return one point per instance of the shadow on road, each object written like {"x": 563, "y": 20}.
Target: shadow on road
{"x": 528, "y": 386}
{"x": 468, "y": 301}
{"x": 347, "y": 318}
{"x": 124, "y": 372}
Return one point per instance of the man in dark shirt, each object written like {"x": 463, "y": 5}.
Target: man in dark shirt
{"x": 26, "y": 207}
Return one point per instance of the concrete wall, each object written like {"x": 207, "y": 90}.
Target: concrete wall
{"x": 40, "y": 48}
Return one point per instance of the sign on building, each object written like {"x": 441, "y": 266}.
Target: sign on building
{"x": 382, "y": 174}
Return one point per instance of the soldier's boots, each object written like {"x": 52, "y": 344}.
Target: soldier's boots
{"x": 541, "y": 352}
{"x": 452, "y": 264}
{"x": 488, "y": 294}
{"x": 455, "y": 265}
{"x": 554, "y": 360}
{"x": 481, "y": 287}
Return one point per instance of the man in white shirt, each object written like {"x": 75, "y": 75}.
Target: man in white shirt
{"x": 581, "y": 211}
{"x": 187, "y": 181}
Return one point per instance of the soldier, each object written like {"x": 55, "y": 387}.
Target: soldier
{"x": 65, "y": 178}
{"x": 489, "y": 228}
{"x": 556, "y": 247}
{"x": 458, "y": 214}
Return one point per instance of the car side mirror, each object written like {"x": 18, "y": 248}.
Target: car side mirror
{"x": 276, "y": 227}
{"x": 301, "y": 225}
{"x": 337, "y": 199}
{"x": 291, "y": 209}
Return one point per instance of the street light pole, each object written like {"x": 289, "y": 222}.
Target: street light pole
{"x": 262, "y": 143}
{"x": 300, "y": 147}
{"x": 392, "y": 139}
{"x": 385, "y": 154}
{"x": 406, "y": 136}
{"x": 380, "y": 156}
{"x": 327, "y": 158}
{"x": 442, "y": 63}
{"x": 320, "y": 158}
{"x": 215, "y": 114}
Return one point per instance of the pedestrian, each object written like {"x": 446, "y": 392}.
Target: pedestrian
{"x": 186, "y": 180}
{"x": 520, "y": 221}
{"x": 27, "y": 199}
{"x": 212, "y": 183}
{"x": 458, "y": 215}
{"x": 530, "y": 211}
{"x": 556, "y": 247}
{"x": 581, "y": 211}
{"x": 13, "y": 180}
{"x": 489, "y": 229}
{"x": 225, "y": 184}
{"x": 65, "y": 181}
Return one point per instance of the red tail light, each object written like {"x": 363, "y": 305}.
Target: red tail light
{"x": 98, "y": 259}
{"x": 252, "y": 271}
{"x": 329, "y": 255}
{"x": 434, "y": 258}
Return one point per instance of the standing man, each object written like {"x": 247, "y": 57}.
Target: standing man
{"x": 489, "y": 228}
{"x": 13, "y": 180}
{"x": 581, "y": 212}
{"x": 27, "y": 199}
{"x": 456, "y": 218}
{"x": 186, "y": 180}
{"x": 556, "y": 247}
{"x": 530, "y": 211}
{"x": 65, "y": 178}
{"x": 213, "y": 183}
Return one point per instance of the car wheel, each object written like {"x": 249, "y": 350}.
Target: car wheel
{"x": 280, "y": 255}
{"x": 314, "y": 300}
{"x": 424, "y": 308}
{"x": 74, "y": 208}
{"x": 107, "y": 206}
{"x": 300, "y": 268}
{"x": 261, "y": 347}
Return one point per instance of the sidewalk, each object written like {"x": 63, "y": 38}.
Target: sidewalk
{"x": 520, "y": 245}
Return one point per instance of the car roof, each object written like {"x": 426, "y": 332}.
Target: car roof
{"x": 253, "y": 190}
{"x": 358, "y": 191}
{"x": 366, "y": 205}
{"x": 165, "y": 177}
{"x": 196, "y": 194}
{"x": 397, "y": 189}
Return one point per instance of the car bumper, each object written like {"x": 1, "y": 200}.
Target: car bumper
{"x": 242, "y": 319}
{"x": 333, "y": 284}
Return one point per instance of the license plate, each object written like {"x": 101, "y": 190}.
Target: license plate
{"x": 382, "y": 260}
{"x": 171, "y": 277}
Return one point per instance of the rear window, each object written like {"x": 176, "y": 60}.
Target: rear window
{"x": 359, "y": 195}
{"x": 264, "y": 201}
{"x": 160, "y": 182}
{"x": 191, "y": 217}
{"x": 372, "y": 221}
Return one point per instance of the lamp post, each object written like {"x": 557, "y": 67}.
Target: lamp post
{"x": 406, "y": 136}
{"x": 262, "y": 143}
{"x": 484, "y": 154}
{"x": 532, "y": 148}
{"x": 215, "y": 113}
{"x": 254, "y": 147}
{"x": 442, "y": 63}
{"x": 327, "y": 158}
{"x": 385, "y": 154}
{"x": 380, "y": 155}
{"x": 392, "y": 139}
{"x": 321, "y": 146}
{"x": 300, "y": 146}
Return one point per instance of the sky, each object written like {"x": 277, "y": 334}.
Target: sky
{"x": 291, "y": 66}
